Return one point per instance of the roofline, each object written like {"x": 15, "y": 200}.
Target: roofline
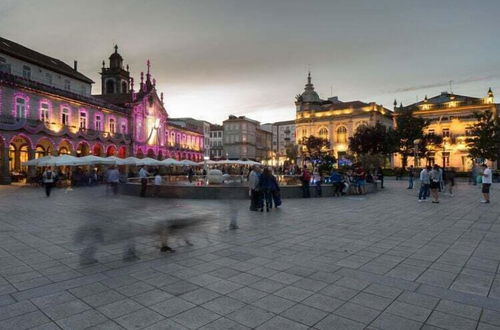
{"x": 84, "y": 78}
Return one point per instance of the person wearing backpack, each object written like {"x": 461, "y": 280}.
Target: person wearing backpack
{"x": 305, "y": 178}
{"x": 48, "y": 178}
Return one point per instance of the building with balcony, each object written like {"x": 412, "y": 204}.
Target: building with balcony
{"x": 200, "y": 126}
{"x": 245, "y": 139}
{"x": 450, "y": 116}
{"x": 40, "y": 116}
{"x": 217, "y": 142}
{"x": 333, "y": 119}
{"x": 283, "y": 137}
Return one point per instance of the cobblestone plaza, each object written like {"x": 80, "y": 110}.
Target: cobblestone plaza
{"x": 381, "y": 261}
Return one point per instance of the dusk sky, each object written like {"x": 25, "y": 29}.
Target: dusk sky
{"x": 212, "y": 58}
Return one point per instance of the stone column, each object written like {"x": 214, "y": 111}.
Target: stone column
{"x": 31, "y": 169}
{"x": 4, "y": 165}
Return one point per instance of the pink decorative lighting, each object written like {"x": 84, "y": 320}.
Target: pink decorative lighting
{"x": 25, "y": 97}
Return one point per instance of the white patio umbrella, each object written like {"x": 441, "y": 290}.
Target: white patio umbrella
{"x": 187, "y": 162}
{"x": 63, "y": 160}
{"x": 130, "y": 161}
{"x": 251, "y": 162}
{"x": 118, "y": 160}
{"x": 34, "y": 162}
{"x": 148, "y": 162}
{"x": 170, "y": 162}
{"x": 95, "y": 160}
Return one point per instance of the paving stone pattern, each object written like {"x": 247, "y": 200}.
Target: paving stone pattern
{"x": 381, "y": 261}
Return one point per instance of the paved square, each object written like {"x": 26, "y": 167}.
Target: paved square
{"x": 381, "y": 261}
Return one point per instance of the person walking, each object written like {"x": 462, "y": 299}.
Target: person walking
{"x": 305, "y": 178}
{"x": 424, "y": 184}
{"x": 113, "y": 179}
{"x": 435, "y": 178}
{"x": 487, "y": 177}
{"x": 253, "y": 186}
{"x": 143, "y": 175}
{"x": 410, "y": 176}
{"x": 48, "y": 179}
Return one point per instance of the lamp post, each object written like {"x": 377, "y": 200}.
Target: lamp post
{"x": 416, "y": 142}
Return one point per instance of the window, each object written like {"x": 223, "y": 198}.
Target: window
{"x": 110, "y": 87}
{"x": 83, "y": 120}
{"x": 342, "y": 134}
{"x": 431, "y": 132}
{"x": 304, "y": 132}
{"x": 446, "y": 132}
{"x": 20, "y": 108}
{"x": 112, "y": 125}
{"x": 98, "y": 123}
{"x": 220, "y": 134}
{"x": 44, "y": 112}
{"x": 67, "y": 85}
{"x": 4, "y": 66}
{"x": 124, "y": 127}
{"x": 323, "y": 133}
{"x": 468, "y": 131}
{"x": 65, "y": 116}
{"x": 48, "y": 78}
{"x": 26, "y": 72}
{"x": 124, "y": 87}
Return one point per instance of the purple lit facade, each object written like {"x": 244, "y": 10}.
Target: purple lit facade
{"x": 37, "y": 119}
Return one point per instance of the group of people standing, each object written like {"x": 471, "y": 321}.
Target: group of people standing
{"x": 264, "y": 190}
{"x": 435, "y": 179}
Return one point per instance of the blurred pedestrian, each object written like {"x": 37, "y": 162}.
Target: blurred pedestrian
{"x": 410, "y": 176}
{"x": 487, "y": 179}
{"x": 157, "y": 184}
{"x": 253, "y": 186}
{"x": 267, "y": 183}
{"x": 305, "y": 178}
{"x": 435, "y": 177}
{"x": 450, "y": 180}
{"x": 49, "y": 179}
{"x": 143, "y": 174}
{"x": 424, "y": 184}
{"x": 113, "y": 179}
{"x": 380, "y": 176}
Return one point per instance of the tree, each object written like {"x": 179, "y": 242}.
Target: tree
{"x": 292, "y": 151}
{"x": 375, "y": 140}
{"x": 428, "y": 144}
{"x": 484, "y": 138}
{"x": 316, "y": 147}
{"x": 408, "y": 129}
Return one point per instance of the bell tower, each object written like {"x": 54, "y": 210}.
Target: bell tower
{"x": 115, "y": 79}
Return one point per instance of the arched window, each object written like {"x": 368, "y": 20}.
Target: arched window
{"x": 20, "y": 108}
{"x": 65, "y": 116}
{"x": 124, "y": 126}
{"x": 323, "y": 133}
{"x": 110, "y": 87}
{"x": 124, "y": 87}
{"x": 342, "y": 134}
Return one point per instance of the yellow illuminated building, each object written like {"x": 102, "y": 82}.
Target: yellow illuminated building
{"x": 333, "y": 119}
{"x": 451, "y": 116}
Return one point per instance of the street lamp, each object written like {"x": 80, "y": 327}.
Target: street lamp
{"x": 416, "y": 142}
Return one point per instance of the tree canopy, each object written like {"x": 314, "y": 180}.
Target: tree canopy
{"x": 408, "y": 129}
{"x": 484, "y": 137}
{"x": 375, "y": 140}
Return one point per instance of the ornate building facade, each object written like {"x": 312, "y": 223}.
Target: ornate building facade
{"x": 46, "y": 108}
{"x": 450, "y": 116}
{"x": 333, "y": 119}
